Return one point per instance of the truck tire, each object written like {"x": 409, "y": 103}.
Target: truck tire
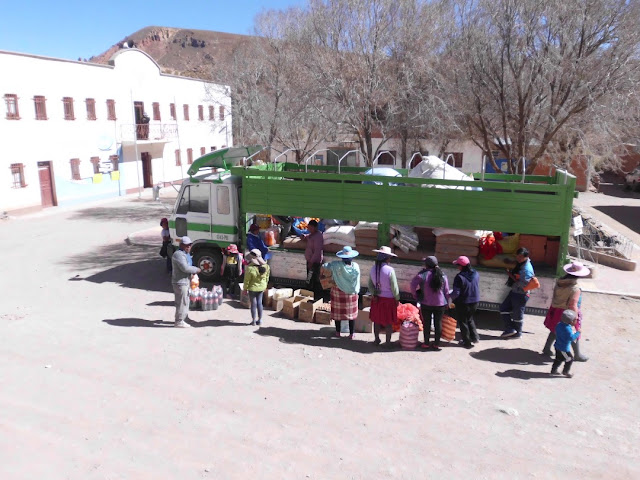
{"x": 209, "y": 261}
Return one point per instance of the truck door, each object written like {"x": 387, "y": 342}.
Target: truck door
{"x": 193, "y": 214}
{"x": 224, "y": 213}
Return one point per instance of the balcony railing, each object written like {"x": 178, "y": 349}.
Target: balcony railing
{"x": 148, "y": 131}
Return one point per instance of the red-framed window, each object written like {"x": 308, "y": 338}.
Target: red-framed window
{"x": 200, "y": 112}
{"x": 11, "y": 100}
{"x": 67, "y": 103}
{"x": 172, "y": 111}
{"x": 111, "y": 109}
{"x": 114, "y": 161}
{"x": 178, "y": 159}
{"x": 212, "y": 112}
{"x": 95, "y": 161}
{"x": 221, "y": 112}
{"x": 156, "y": 111}
{"x": 203, "y": 150}
{"x": 457, "y": 158}
{"x": 75, "y": 169}
{"x": 17, "y": 173}
{"x": 91, "y": 108}
{"x": 189, "y": 156}
{"x": 185, "y": 109}
{"x": 40, "y": 104}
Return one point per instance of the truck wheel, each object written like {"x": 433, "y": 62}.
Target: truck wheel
{"x": 209, "y": 261}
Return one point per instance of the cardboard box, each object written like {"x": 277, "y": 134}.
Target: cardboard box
{"x": 278, "y": 305}
{"x": 363, "y": 324}
{"x": 267, "y": 298}
{"x": 307, "y": 310}
{"x": 322, "y": 317}
{"x": 291, "y": 306}
{"x": 366, "y": 301}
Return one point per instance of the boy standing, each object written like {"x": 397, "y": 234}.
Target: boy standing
{"x": 564, "y": 336}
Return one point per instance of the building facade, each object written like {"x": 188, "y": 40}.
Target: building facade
{"x": 76, "y": 131}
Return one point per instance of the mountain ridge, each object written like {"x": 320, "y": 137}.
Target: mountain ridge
{"x": 182, "y": 51}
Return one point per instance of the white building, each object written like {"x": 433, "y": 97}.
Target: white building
{"x": 76, "y": 131}
{"x": 466, "y": 156}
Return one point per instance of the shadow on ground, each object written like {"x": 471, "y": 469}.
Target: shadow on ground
{"x": 613, "y": 186}
{"x": 131, "y": 212}
{"x": 629, "y": 216}
{"x": 147, "y": 275}
{"x": 512, "y": 356}
{"x": 162, "y": 303}
{"x": 525, "y": 375}
{"x": 138, "y": 322}
{"x": 323, "y": 338}
{"x": 117, "y": 254}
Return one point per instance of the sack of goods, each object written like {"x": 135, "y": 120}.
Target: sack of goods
{"x": 409, "y": 332}
{"x": 448, "y": 328}
{"x": 404, "y": 237}
{"x": 451, "y": 243}
{"x": 366, "y": 234}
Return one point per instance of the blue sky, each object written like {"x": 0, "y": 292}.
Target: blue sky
{"x": 74, "y": 28}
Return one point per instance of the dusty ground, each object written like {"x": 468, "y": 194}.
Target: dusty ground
{"x": 95, "y": 385}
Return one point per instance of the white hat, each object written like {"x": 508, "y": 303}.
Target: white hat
{"x": 256, "y": 257}
{"x": 185, "y": 240}
{"x": 386, "y": 251}
{"x": 576, "y": 269}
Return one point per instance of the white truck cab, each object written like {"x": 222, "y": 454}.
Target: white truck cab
{"x": 207, "y": 210}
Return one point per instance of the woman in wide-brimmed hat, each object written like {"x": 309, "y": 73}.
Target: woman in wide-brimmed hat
{"x": 566, "y": 296}
{"x": 344, "y": 295}
{"x": 256, "y": 279}
{"x": 384, "y": 287}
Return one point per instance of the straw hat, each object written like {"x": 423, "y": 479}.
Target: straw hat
{"x": 385, "y": 251}
{"x": 576, "y": 269}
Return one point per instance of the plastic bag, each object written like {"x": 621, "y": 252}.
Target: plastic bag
{"x": 195, "y": 281}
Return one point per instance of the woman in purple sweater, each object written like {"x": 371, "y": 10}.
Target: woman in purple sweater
{"x": 430, "y": 287}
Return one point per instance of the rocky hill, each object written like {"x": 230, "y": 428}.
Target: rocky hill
{"x": 194, "y": 53}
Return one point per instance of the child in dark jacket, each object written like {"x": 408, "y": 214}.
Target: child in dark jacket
{"x": 231, "y": 270}
{"x": 564, "y": 336}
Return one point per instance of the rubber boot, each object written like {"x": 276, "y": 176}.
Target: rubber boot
{"x": 547, "y": 346}
{"x": 578, "y": 357}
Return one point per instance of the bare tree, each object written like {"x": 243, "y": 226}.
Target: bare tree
{"x": 274, "y": 102}
{"x": 527, "y": 72}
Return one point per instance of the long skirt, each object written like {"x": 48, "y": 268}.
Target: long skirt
{"x": 383, "y": 311}
{"x": 344, "y": 306}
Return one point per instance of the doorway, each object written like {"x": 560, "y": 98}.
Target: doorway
{"x": 47, "y": 185}
{"x": 142, "y": 121}
{"x": 147, "y": 172}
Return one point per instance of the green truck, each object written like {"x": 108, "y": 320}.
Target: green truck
{"x": 223, "y": 195}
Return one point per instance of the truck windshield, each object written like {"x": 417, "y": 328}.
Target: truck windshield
{"x": 194, "y": 199}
